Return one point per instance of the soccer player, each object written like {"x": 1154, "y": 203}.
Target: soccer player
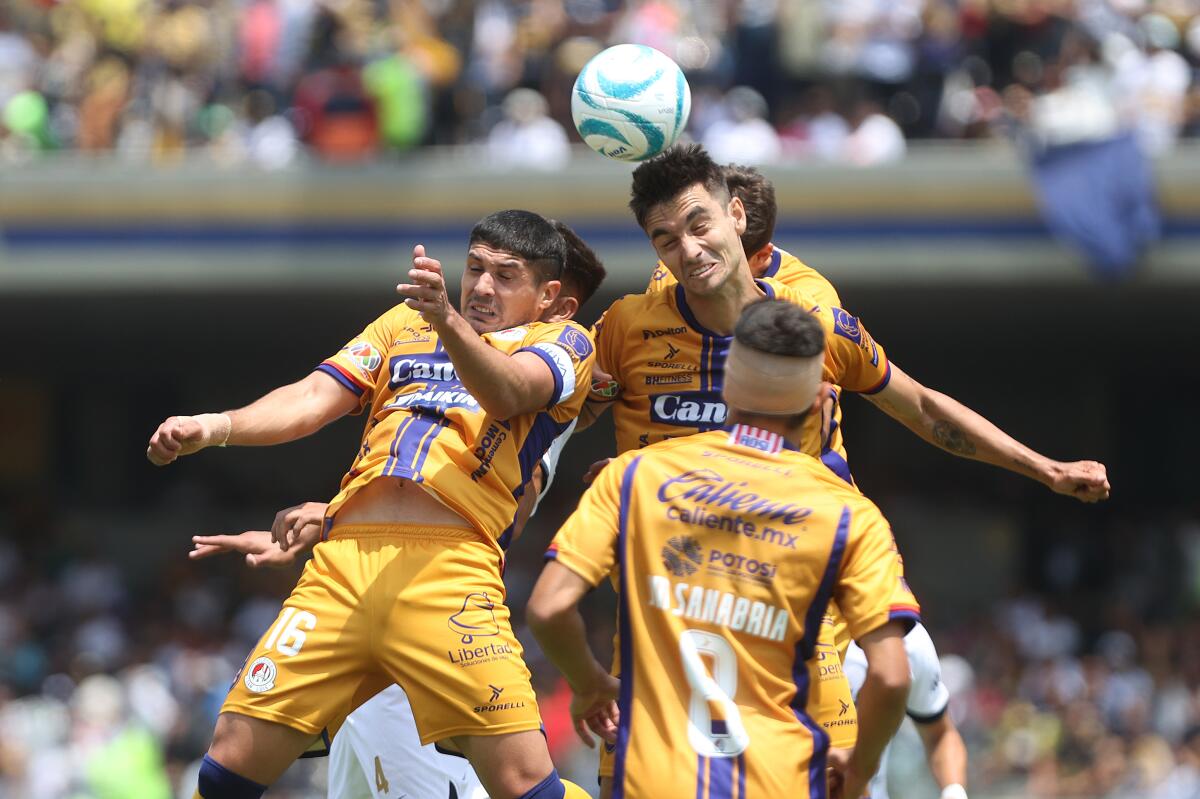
{"x": 406, "y": 589}
{"x": 765, "y": 258}
{"x": 927, "y": 703}
{"x": 664, "y": 353}
{"x": 728, "y": 546}
{"x": 378, "y": 745}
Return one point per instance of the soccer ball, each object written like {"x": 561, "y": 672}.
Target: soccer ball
{"x": 630, "y": 102}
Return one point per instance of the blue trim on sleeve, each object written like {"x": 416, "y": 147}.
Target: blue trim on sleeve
{"x": 887, "y": 378}
{"x": 356, "y": 389}
{"x": 558, "y": 380}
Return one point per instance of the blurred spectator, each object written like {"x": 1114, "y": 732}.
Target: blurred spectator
{"x": 357, "y": 78}
{"x": 743, "y": 135}
{"x": 527, "y": 137}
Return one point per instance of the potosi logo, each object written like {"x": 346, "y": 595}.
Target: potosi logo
{"x": 476, "y": 619}
{"x": 576, "y": 341}
{"x": 682, "y": 555}
{"x": 365, "y": 356}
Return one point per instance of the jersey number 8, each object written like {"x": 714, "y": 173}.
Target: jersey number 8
{"x": 714, "y": 724}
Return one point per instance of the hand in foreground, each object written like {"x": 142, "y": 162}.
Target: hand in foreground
{"x": 594, "y": 470}
{"x": 595, "y": 709}
{"x": 256, "y": 545}
{"x": 299, "y": 526}
{"x": 1087, "y": 481}
{"x": 427, "y": 291}
{"x": 183, "y": 435}
{"x": 844, "y": 781}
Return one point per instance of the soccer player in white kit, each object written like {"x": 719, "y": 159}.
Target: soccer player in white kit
{"x": 928, "y": 701}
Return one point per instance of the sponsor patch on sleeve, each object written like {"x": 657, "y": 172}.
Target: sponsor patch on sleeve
{"x": 364, "y": 355}
{"x": 576, "y": 342}
{"x": 606, "y": 388}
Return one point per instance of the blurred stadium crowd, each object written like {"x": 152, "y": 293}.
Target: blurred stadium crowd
{"x": 269, "y": 81}
{"x": 1083, "y": 684}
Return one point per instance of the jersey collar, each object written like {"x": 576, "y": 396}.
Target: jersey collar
{"x": 756, "y": 438}
{"x": 688, "y": 316}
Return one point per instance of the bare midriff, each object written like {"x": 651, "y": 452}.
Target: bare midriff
{"x": 395, "y": 500}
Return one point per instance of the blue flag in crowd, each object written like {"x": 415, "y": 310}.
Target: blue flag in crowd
{"x": 1098, "y": 197}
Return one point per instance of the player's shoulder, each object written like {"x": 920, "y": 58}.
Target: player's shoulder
{"x": 569, "y": 335}
{"x": 638, "y": 308}
{"x": 796, "y": 273}
{"x": 792, "y": 294}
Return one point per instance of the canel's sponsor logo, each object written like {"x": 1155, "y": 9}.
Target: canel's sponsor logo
{"x": 702, "y": 409}
{"x": 424, "y": 368}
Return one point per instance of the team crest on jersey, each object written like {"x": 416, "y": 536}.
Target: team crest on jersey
{"x": 260, "y": 675}
{"x": 576, "y": 342}
{"x": 682, "y": 555}
{"x": 364, "y": 355}
{"x": 847, "y": 326}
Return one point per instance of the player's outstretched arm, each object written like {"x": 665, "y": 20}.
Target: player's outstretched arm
{"x": 947, "y": 755}
{"x": 505, "y": 385}
{"x": 880, "y": 704}
{"x": 287, "y": 413}
{"x": 256, "y": 545}
{"x": 553, "y": 615}
{"x": 952, "y": 426}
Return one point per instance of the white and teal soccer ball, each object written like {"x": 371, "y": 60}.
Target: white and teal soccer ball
{"x": 630, "y": 102}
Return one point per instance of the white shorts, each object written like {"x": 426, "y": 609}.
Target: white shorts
{"x": 377, "y": 755}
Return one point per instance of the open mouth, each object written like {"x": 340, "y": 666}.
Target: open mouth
{"x": 701, "y": 271}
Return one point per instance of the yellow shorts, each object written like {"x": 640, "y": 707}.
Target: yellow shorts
{"x": 830, "y": 703}
{"x": 419, "y": 606}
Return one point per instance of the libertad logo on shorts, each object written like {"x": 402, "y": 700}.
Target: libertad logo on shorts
{"x": 260, "y": 675}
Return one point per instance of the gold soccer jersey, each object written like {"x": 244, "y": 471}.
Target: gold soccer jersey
{"x": 670, "y": 368}
{"x": 784, "y": 267}
{"x": 728, "y": 548}
{"x": 425, "y": 426}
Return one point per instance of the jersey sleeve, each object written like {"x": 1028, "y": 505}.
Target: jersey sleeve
{"x": 856, "y": 361}
{"x": 587, "y": 542}
{"x": 568, "y": 350}
{"x": 358, "y": 364}
{"x": 606, "y": 333}
{"x": 928, "y": 696}
{"x": 871, "y": 589}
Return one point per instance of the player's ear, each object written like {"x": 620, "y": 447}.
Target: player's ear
{"x": 760, "y": 259}
{"x": 738, "y": 212}
{"x": 565, "y": 309}
{"x": 548, "y": 293}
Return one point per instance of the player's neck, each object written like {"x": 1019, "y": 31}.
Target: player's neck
{"x": 719, "y": 312}
{"x": 789, "y": 428}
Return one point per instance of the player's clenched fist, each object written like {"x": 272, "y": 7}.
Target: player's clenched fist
{"x": 183, "y": 435}
{"x": 427, "y": 291}
{"x": 1087, "y": 481}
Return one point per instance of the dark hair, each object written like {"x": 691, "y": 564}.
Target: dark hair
{"x": 779, "y": 327}
{"x": 583, "y": 271}
{"x": 758, "y": 196}
{"x": 528, "y": 236}
{"x": 670, "y": 173}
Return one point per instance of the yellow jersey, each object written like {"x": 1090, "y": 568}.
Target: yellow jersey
{"x": 784, "y": 267}
{"x": 728, "y": 547}
{"x": 426, "y": 427}
{"x": 668, "y": 369}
